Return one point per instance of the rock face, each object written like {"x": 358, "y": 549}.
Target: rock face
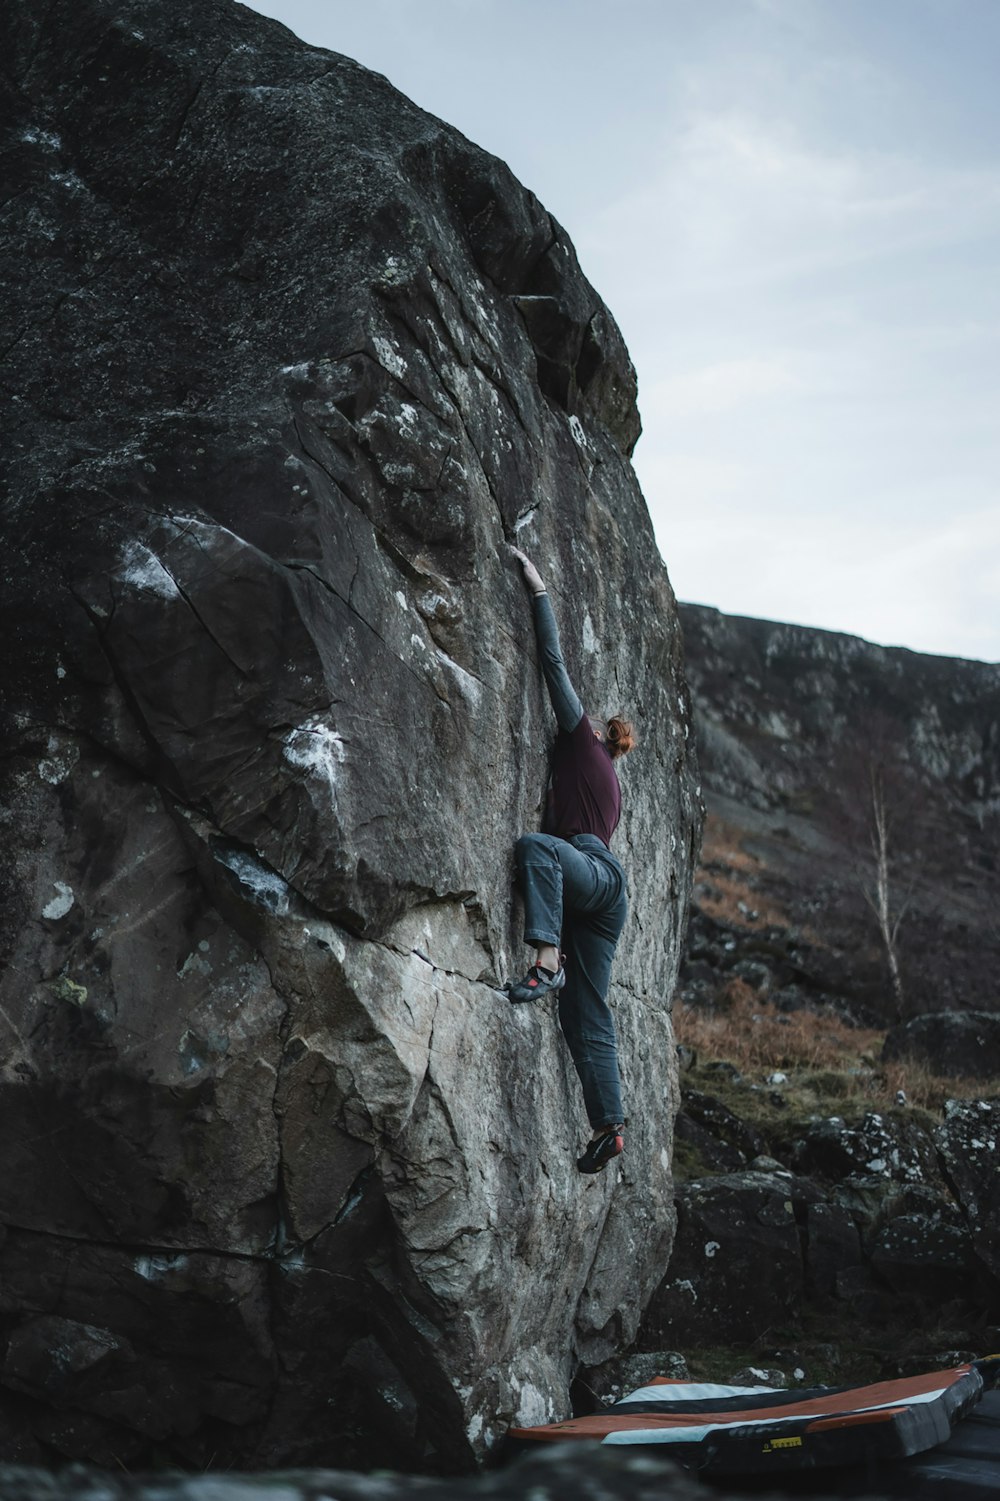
{"x": 282, "y": 1178}
{"x": 775, "y": 700}
{"x": 737, "y": 1267}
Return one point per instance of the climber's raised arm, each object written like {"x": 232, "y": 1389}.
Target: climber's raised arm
{"x": 568, "y": 708}
{"x": 574, "y": 890}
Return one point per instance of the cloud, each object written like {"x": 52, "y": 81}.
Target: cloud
{"x": 717, "y": 388}
{"x": 795, "y": 13}
{"x": 741, "y": 199}
{"x": 814, "y": 329}
{"x": 930, "y": 584}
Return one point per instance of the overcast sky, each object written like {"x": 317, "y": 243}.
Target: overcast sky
{"x": 792, "y": 208}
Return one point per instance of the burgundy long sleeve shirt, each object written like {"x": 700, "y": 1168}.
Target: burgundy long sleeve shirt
{"x": 584, "y": 796}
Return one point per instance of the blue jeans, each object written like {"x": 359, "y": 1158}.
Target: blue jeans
{"x": 575, "y": 898}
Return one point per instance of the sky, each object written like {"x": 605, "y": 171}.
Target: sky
{"x": 792, "y": 209}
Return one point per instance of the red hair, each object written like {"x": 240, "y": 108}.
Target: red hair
{"x": 621, "y": 737}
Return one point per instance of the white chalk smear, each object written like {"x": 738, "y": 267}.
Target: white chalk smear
{"x": 143, "y": 570}
{"x": 315, "y": 747}
{"x": 60, "y": 903}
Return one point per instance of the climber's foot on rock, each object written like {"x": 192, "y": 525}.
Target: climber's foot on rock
{"x": 537, "y": 983}
{"x": 602, "y": 1149}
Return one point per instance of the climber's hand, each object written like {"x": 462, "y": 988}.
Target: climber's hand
{"x": 532, "y": 577}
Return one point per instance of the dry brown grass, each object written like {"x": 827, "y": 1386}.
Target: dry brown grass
{"x": 923, "y": 1087}
{"x": 748, "y": 1030}
{"x": 721, "y": 893}
{"x": 729, "y": 875}
{"x": 827, "y": 1061}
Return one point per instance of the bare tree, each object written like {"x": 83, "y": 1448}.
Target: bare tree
{"x": 888, "y": 906}
{"x": 876, "y": 801}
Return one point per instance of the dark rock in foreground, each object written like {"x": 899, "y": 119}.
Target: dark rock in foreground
{"x": 286, "y": 361}
{"x": 564, "y": 1472}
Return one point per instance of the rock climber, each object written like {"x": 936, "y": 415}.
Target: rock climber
{"x": 574, "y": 890}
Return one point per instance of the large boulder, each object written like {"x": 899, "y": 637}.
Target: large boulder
{"x": 288, "y": 363}
{"x": 737, "y": 1268}
{"x": 955, "y": 1044}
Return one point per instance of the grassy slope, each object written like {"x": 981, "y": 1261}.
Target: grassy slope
{"x": 831, "y": 1067}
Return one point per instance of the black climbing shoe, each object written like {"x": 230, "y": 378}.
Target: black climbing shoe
{"x": 537, "y": 983}
{"x": 601, "y": 1150}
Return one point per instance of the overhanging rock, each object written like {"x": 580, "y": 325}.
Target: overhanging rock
{"x": 283, "y": 1178}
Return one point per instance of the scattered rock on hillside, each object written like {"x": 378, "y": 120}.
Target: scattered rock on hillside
{"x": 833, "y": 1248}
{"x": 609, "y": 1383}
{"x": 954, "y": 1044}
{"x": 779, "y": 964}
{"x": 706, "y": 1152}
{"x": 723, "y": 1140}
{"x": 872, "y": 1249}
{"x": 766, "y": 1377}
{"x": 881, "y": 1145}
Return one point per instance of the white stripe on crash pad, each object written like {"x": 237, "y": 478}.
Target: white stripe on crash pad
{"x": 694, "y": 1391}
{"x": 693, "y": 1434}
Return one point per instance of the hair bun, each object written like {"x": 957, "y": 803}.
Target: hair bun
{"x": 621, "y": 737}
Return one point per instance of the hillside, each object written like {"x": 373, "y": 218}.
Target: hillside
{"x": 792, "y": 725}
